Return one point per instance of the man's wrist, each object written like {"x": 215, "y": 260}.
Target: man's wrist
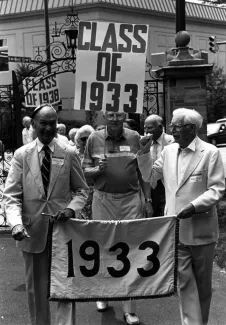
{"x": 144, "y": 152}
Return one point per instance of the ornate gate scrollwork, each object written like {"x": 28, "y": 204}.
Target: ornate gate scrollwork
{"x": 7, "y": 143}
{"x": 154, "y": 93}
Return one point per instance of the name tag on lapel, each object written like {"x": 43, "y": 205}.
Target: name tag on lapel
{"x": 196, "y": 177}
{"x": 124, "y": 148}
{"x": 57, "y": 161}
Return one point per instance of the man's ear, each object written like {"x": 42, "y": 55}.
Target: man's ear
{"x": 33, "y": 123}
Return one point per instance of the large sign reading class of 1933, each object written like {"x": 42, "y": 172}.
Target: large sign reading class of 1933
{"x": 41, "y": 91}
{"x": 110, "y": 66}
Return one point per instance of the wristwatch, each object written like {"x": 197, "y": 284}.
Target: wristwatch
{"x": 148, "y": 199}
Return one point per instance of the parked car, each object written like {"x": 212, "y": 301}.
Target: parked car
{"x": 222, "y": 120}
{"x": 216, "y": 133}
{"x": 222, "y": 149}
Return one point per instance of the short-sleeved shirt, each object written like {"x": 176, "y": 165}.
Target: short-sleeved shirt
{"x": 121, "y": 174}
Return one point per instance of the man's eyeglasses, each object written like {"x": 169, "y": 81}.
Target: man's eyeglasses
{"x": 173, "y": 127}
{"x": 118, "y": 116}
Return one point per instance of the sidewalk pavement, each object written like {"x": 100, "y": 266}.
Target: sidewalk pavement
{"x": 163, "y": 311}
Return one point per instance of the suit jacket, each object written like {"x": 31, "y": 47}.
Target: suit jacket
{"x": 167, "y": 139}
{"x": 24, "y": 195}
{"x": 158, "y": 189}
{"x": 203, "y": 185}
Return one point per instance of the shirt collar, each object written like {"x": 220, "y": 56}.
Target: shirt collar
{"x": 123, "y": 134}
{"x": 191, "y": 146}
{"x": 159, "y": 140}
{"x": 41, "y": 145}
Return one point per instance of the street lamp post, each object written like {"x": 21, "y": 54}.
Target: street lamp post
{"x": 48, "y": 55}
{"x": 180, "y": 15}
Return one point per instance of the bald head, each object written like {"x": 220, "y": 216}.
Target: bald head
{"x": 155, "y": 119}
{"x": 45, "y": 123}
{"x": 154, "y": 125}
{"x": 43, "y": 111}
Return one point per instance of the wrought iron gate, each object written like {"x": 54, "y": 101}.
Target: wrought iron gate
{"x": 10, "y": 133}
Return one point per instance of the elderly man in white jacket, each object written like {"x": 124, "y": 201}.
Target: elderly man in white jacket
{"x": 193, "y": 176}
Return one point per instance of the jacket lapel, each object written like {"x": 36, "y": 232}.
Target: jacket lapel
{"x": 166, "y": 141}
{"x": 34, "y": 166}
{"x": 59, "y": 152}
{"x": 195, "y": 159}
{"x": 173, "y": 157}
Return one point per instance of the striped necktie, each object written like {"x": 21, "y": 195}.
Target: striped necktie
{"x": 45, "y": 168}
{"x": 155, "y": 151}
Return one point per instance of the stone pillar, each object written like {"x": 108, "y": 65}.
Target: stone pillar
{"x": 185, "y": 83}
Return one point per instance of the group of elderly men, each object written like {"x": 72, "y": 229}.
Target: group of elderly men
{"x": 177, "y": 175}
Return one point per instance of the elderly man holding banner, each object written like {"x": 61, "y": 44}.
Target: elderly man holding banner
{"x": 45, "y": 182}
{"x": 110, "y": 159}
{"x": 193, "y": 176}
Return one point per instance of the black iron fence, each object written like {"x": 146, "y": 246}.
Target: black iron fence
{"x": 7, "y": 140}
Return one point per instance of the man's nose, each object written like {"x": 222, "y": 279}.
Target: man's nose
{"x": 49, "y": 127}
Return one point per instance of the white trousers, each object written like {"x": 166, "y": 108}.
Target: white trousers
{"x": 195, "y": 265}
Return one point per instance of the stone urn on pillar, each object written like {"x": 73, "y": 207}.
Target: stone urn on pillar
{"x": 185, "y": 80}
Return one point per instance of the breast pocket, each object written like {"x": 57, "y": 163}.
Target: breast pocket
{"x": 198, "y": 176}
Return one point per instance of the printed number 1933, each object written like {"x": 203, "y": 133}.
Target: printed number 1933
{"x": 122, "y": 257}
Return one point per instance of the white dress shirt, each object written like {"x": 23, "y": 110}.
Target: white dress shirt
{"x": 156, "y": 148}
{"x": 27, "y": 135}
{"x": 41, "y": 152}
{"x": 184, "y": 157}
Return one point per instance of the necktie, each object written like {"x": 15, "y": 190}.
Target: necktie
{"x": 154, "y": 154}
{"x": 155, "y": 151}
{"x": 45, "y": 168}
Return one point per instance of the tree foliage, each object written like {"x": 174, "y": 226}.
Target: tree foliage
{"x": 216, "y": 94}
{"x": 22, "y": 71}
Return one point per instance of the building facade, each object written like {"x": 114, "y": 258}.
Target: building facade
{"x": 22, "y": 29}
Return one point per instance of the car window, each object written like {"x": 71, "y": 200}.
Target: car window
{"x": 213, "y": 128}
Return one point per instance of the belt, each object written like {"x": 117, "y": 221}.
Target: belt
{"x": 115, "y": 196}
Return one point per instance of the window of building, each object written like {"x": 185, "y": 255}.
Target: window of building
{"x": 4, "y": 66}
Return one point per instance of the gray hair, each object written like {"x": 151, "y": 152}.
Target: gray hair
{"x": 85, "y": 130}
{"x": 188, "y": 116}
{"x": 72, "y": 133}
{"x": 25, "y": 119}
{"x": 154, "y": 118}
{"x": 61, "y": 125}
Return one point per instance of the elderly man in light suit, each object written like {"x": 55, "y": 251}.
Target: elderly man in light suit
{"x": 45, "y": 179}
{"x": 154, "y": 125}
{"x": 193, "y": 176}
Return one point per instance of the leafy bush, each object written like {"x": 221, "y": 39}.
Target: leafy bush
{"x": 220, "y": 251}
{"x": 216, "y": 94}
